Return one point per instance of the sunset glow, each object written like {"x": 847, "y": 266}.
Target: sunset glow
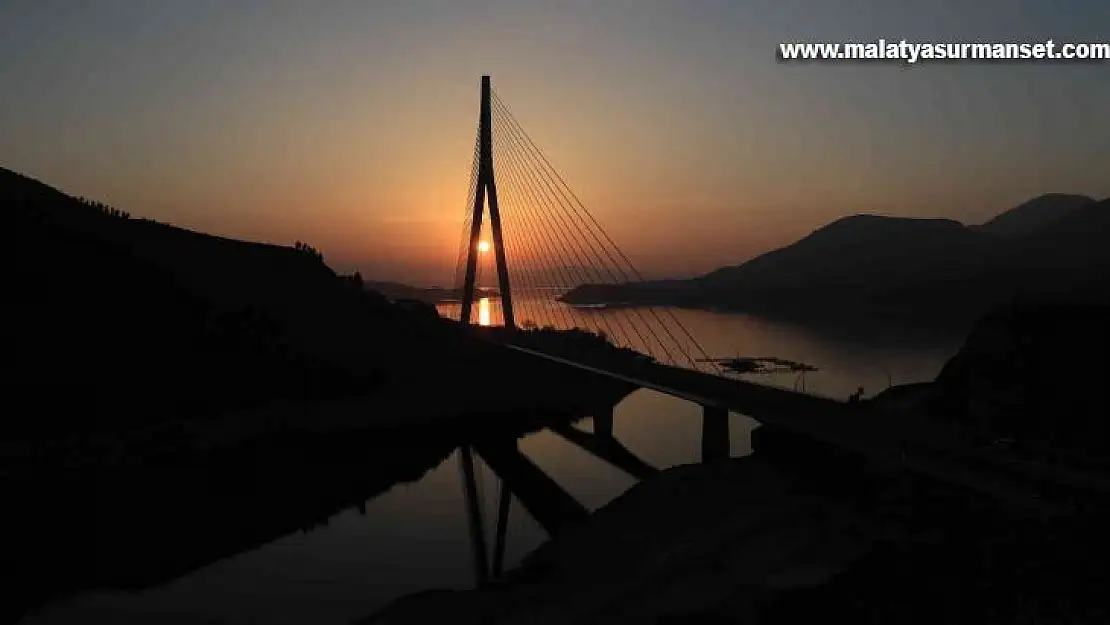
{"x": 696, "y": 149}
{"x": 359, "y": 311}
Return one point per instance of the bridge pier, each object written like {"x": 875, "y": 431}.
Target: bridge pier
{"x": 715, "y": 444}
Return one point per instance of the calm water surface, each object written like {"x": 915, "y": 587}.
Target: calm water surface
{"x": 415, "y": 536}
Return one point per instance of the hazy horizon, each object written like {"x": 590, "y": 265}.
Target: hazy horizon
{"x": 351, "y": 126}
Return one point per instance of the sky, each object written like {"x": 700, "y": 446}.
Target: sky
{"x": 350, "y": 124}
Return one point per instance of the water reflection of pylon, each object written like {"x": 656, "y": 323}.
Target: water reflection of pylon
{"x": 543, "y": 498}
{"x": 483, "y": 571}
{"x": 474, "y": 516}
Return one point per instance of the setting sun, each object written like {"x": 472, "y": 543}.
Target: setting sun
{"x": 483, "y": 246}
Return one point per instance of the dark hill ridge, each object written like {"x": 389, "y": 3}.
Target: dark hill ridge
{"x": 160, "y": 309}
{"x": 168, "y": 383}
{"x": 926, "y": 271}
{"x": 1028, "y": 218}
{"x": 861, "y": 249}
{"x": 168, "y": 323}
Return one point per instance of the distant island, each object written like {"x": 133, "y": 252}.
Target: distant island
{"x": 397, "y": 291}
{"x": 922, "y": 271}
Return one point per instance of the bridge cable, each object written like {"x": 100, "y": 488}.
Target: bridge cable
{"x": 516, "y": 167}
{"x": 499, "y": 103}
{"x": 468, "y": 214}
{"x": 592, "y": 219}
{"x": 560, "y": 202}
{"x": 572, "y": 212}
{"x": 562, "y": 228}
{"x": 578, "y": 250}
{"x": 464, "y": 244}
{"x": 520, "y": 267}
{"x": 530, "y": 230}
{"x": 537, "y": 231}
{"x": 525, "y": 265}
{"x": 534, "y": 230}
{"x": 577, "y": 266}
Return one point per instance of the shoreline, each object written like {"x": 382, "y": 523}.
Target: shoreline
{"x": 770, "y": 537}
{"x": 223, "y": 486}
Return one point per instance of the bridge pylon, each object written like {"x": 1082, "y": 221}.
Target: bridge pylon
{"x": 486, "y": 186}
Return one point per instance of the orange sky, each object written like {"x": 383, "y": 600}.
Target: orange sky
{"x": 351, "y": 126}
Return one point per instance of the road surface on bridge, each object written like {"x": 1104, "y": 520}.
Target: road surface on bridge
{"x": 911, "y": 442}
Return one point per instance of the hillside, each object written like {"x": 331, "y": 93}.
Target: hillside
{"x": 863, "y": 251}
{"x": 929, "y": 271}
{"x": 118, "y": 321}
{"x": 166, "y": 317}
{"x": 1029, "y": 217}
{"x": 222, "y": 392}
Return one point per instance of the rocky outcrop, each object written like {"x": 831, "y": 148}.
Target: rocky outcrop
{"x": 1032, "y": 373}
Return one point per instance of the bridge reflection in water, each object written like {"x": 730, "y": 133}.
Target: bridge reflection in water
{"x": 278, "y": 508}
{"x": 548, "y": 503}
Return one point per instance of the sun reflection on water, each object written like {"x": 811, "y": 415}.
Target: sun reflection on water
{"x": 483, "y": 312}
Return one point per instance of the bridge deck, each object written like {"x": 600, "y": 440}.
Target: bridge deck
{"x": 925, "y": 446}
{"x": 823, "y": 418}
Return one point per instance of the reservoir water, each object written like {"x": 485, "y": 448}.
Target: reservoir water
{"x": 415, "y": 536}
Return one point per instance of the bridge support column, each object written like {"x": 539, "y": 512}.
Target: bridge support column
{"x": 486, "y": 187}
{"x": 715, "y": 443}
{"x": 603, "y": 423}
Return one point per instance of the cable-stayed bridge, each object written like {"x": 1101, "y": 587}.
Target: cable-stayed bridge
{"x": 526, "y": 232}
{"x": 545, "y": 242}
{"x": 529, "y": 238}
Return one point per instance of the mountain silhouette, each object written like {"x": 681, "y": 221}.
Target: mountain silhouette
{"x": 1040, "y": 212}
{"x": 929, "y": 271}
{"x": 117, "y": 322}
{"x": 125, "y": 311}
{"x": 167, "y": 382}
{"x": 860, "y": 250}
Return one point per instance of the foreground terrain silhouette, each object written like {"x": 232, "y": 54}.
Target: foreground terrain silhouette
{"x": 135, "y": 318}
{"x": 196, "y": 396}
{"x": 798, "y": 533}
{"x": 193, "y": 397}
